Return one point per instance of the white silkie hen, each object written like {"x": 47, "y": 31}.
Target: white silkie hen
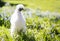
{"x": 17, "y": 20}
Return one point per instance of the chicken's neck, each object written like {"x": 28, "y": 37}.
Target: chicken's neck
{"x": 16, "y": 11}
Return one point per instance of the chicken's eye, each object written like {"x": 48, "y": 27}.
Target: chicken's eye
{"x": 20, "y": 9}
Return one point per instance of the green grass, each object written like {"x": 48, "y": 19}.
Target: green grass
{"x": 52, "y": 5}
{"x": 38, "y": 29}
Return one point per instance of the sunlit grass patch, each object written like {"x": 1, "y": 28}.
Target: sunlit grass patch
{"x": 5, "y": 34}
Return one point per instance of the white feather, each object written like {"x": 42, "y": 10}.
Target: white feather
{"x": 17, "y": 21}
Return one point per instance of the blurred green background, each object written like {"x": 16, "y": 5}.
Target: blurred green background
{"x": 52, "y": 5}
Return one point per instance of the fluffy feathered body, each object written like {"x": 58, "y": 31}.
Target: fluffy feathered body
{"x": 17, "y": 21}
